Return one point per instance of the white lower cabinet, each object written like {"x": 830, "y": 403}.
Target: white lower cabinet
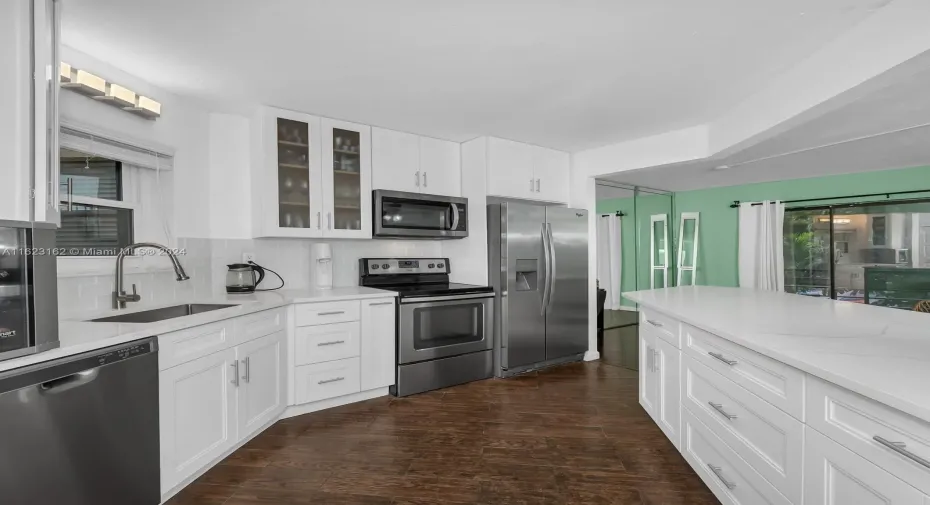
{"x": 261, "y": 382}
{"x": 378, "y": 344}
{"x": 197, "y": 410}
{"x": 668, "y": 398}
{"x": 730, "y": 478}
{"x": 834, "y": 475}
{"x": 648, "y": 378}
{"x": 326, "y": 380}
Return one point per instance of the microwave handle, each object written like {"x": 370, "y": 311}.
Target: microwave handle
{"x": 455, "y": 217}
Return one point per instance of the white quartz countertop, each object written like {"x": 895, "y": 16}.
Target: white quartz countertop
{"x": 79, "y": 335}
{"x": 880, "y": 353}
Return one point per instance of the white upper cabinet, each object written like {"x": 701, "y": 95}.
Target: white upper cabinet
{"x": 414, "y": 164}
{"x": 312, "y": 177}
{"x": 440, "y": 167}
{"x": 517, "y": 170}
{"x": 395, "y": 160}
{"x": 346, "y": 179}
{"x": 29, "y": 122}
{"x": 551, "y": 169}
{"x": 510, "y": 169}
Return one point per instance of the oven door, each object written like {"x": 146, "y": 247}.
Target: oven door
{"x": 415, "y": 215}
{"x": 443, "y": 326}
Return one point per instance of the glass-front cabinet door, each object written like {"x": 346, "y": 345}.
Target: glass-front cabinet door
{"x": 346, "y": 179}
{"x": 294, "y": 195}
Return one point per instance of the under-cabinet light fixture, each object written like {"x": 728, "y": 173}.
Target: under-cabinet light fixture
{"x": 99, "y": 89}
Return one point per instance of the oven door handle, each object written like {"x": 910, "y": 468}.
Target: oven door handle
{"x": 455, "y": 217}
{"x": 448, "y": 298}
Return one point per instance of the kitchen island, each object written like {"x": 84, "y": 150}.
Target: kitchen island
{"x": 780, "y": 398}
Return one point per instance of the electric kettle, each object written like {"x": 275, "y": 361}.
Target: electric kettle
{"x": 241, "y": 277}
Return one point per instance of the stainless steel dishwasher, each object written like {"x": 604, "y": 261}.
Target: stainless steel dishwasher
{"x": 82, "y": 430}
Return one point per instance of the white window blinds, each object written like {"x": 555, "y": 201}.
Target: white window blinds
{"x": 92, "y": 140}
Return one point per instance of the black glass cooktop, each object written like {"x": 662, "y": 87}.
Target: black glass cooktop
{"x": 437, "y": 289}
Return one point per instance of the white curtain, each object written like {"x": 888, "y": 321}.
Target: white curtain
{"x": 609, "y": 259}
{"x": 761, "y": 254}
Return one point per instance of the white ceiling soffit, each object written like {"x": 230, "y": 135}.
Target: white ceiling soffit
{"x": 859, "y": 104}
{"x": 568, "y": 75}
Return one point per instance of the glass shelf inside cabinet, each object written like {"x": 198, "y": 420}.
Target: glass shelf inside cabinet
{"x": 347, "y": 184}
{"x": 293, "y": 174}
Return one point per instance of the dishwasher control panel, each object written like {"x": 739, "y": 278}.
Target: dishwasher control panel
{"x": 126, "y": 352}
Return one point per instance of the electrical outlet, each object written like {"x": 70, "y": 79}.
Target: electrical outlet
{"x": 247, "y": 257}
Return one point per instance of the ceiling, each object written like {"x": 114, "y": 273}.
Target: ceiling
{"x": 564, "y": 74}
{"x": 886, "y": 129}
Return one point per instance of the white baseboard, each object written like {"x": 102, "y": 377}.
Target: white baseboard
{"x": 592, "y": 356}
{"x": 299, "y": 410}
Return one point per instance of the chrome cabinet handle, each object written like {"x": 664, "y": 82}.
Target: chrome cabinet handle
{"x": 901, "y": 448}
{"x": 418, "y": 178}
{"x": 235, "y": 381}
{"x": 70, "y": 193}
{"x": 655, "y": 323}
{"x": 650, "y": 363}
{"x": 380, "y": 303}
{"x": 720, "y": 357}
{"x": 656, "y": 358}
{"x": 248, "y": 374}
{"x": 425, "y": 181}
{"x": 334, "y": 342}
{"x": 333, "y": 313}
{"x": 719, "y": 473}
{"x": 537, "y": 185}
{"x": 319, "y": 220}
{"x": 327, "y": 381}
{"x": 719, "y": 408}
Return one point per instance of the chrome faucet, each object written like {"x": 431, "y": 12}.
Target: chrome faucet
{"x": 119, "y": 296}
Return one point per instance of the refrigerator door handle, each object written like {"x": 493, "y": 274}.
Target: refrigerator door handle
{"x": 552, "y": 265}
{"x": 547, "y": 268}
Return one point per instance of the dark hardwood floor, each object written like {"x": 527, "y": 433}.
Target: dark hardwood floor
{"x": 568, "y": 435}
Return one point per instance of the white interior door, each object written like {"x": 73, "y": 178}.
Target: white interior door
{"x": 688, "y": 232}
{"x": 658, "y": 251}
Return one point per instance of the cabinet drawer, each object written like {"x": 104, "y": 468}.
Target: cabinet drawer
{"x": 859, "y": 424}
{"x": 328, "y": 342}
{"x": 326, "y": 380}
{"x": 774, "y": 382}
{"x": 728, "y": 476}
{"x": 665, "y": 327}
{"x": 771, "y": 441}
{"x": 186, "y": 345}
{"x": 311, "y": 314}
{"x": 834, "y": 475}
{"x": 259, "y": 324}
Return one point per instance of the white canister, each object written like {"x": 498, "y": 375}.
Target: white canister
{"x": 321, "y": 258}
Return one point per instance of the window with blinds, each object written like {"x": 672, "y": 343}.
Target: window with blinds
{"x": 95, "y": 221}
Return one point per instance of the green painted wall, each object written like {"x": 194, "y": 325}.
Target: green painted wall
{"x": 717, "y": 250}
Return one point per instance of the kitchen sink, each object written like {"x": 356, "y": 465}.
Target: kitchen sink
{"x": 151, "y": 316}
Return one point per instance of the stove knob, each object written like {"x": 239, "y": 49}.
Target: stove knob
{"x": 375, "y": 267}
{"x": 431, "y": 265}
{"x": 441, "y": 265}
{"x": 385, "y": 266}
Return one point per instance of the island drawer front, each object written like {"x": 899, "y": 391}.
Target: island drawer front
{"x": 312, "y": 314}
{"x": 773, "y": 381}
{"x": 855, "y": 421}
{"x": 328, "y": 342}
{"x": 189, "y": 344}
{"x": 327, "y": 380}
{"x": 665, "y": 327}
{"x": 729, "y": 477}
{"x": 771, "y": 441}
{"x": 260, "y": 324}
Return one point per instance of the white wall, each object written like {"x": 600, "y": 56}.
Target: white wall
{"x": 229, "y": 176}
{"x": 469, "y": 256}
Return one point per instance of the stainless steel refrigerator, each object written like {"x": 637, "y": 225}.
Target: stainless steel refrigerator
{"x": 538, "y": 266}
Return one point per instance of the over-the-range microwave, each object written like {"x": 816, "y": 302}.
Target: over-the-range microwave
{"x": 397, "y": 214}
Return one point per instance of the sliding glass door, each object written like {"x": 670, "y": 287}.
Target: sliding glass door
{"x": 873, "y": 253}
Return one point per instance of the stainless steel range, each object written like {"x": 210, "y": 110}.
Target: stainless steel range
{"x": 444, "y": 330}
